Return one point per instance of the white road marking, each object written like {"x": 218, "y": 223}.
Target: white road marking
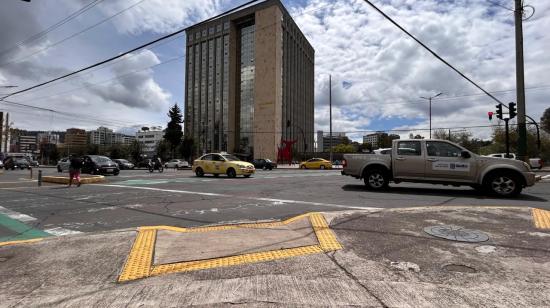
{"x": 276, "y": 201}
{"x": 58, "y": 231}
{"x": 16, "y": 215}
{"x": 546, "y": 177}
{"x": 167, "y": 190}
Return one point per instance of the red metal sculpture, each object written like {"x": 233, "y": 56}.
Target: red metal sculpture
{"x": 284, "y": 153}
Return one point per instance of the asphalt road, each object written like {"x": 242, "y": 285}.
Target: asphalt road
{"x": 178, "y": 198}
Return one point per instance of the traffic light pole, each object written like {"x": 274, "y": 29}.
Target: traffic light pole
{"x": 507, "y": 139}
{"x": 520, "y": 82}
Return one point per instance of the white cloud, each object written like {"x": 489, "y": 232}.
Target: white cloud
{"x": 160, "y": 16}
{"x": 135, "y": 87}
{"x": 390, "y": 71}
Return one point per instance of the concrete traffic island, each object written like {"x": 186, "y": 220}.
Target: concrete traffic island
{"x": 162, "y": 249}
{"x": 87, "y": 179}
{"x": 387, "y": 260}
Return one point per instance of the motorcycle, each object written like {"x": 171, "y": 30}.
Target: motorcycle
{"x": 155, "y": 166}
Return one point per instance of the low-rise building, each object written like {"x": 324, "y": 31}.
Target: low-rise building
{"x": 150, "y": 139}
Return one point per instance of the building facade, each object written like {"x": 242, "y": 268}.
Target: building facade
{"x": 373, "y": 139}
{"x": 249, "y": 82}
{"x": 324, "y": 143}
{"x": 150, "y": 139}
{"x": 75, "y": 137}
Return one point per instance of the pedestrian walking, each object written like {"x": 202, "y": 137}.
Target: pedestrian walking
{"x": 74, "y": 170}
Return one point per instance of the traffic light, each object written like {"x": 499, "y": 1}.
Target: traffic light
{"x": 490, "y": 114}
{"x": 512, "y": 110}
{"x": 499, "y": 111}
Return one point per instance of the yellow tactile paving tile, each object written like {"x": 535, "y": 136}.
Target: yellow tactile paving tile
{"x": 139, "y": 263}
{"x": 140, "y": 259}
{"x": 235, "y": 260}
{"x": 541, "y": 218}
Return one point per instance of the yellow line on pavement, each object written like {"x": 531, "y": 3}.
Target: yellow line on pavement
{"x": 139, "y": 264}
{"x": 20, "y": 242}
{"x": 541, "y": 218}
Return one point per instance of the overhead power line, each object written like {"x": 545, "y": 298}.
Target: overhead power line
{"x": 431, "y": 51}
{"x": 89, "y": 85}
{"x": 112, "y": 58}
{"x": 51, "y": 28}
{"x": 71, "y": 36}
{"x": 72, "y": 115}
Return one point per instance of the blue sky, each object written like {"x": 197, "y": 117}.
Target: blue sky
{"x": 378, "y": 73}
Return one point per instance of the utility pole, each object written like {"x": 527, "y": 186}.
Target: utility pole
{"x": 430, "y": 112}
{"x": 7, "y": 132}
{"x": 1, "y": 128}
{"x": 520, "y": 81}
{"x": 330, "y": 114}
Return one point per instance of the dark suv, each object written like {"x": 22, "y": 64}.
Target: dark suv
{"x": 16, "y": 163}
{"x": 96, "y": 164}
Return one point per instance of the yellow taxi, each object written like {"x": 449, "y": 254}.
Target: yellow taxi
{"x": 222, "y": 163}
{"x": 316, "y": 163}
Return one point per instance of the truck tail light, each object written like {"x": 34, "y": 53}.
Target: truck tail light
{"x": 344, "y": 163}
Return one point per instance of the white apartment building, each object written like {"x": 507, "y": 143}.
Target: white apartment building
{"x": 149, "y": 139}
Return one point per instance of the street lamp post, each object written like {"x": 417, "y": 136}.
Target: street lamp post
{"x": 430, "y": 112}
{"x": 330, "y": 114}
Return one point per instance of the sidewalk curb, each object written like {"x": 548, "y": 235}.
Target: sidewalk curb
{"x": 65, "y": 180}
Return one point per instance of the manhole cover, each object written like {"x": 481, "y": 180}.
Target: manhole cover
{"x": 459, "y": 268}
{"x": 457, "y": 233}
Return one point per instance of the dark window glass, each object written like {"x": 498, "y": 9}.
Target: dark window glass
{"x": 411, "y": 148}
{"x": 442, "y": 149}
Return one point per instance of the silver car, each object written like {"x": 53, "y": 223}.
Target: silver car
{"x": 63, "y": 164}
{"x": 176, "y": 163}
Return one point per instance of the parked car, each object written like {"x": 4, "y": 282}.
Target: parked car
{"x": 384, "y": 151}
{"x": 63, "y": 164}
{"x": 265, "y": 164}
{"x": 503, "y": 155}
{"x": 535, "y": 163}
{"x": 1, "y": 163}
{"x": 176, "y": 163}
{"x": 35, "y": 163}
{"x": 316, "y": 163}
{"x": 222, "y": 163}
{"x": 439, "y": 162}
{"x": 16, "y": 163}
{"x": 123, "y": 164}
{"x": 97, "y": 164}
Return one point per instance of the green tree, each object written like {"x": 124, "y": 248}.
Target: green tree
{"x": 385, "y": 140}
{"x": 344, "y": 148}
{"x": 173, "y": 133}
{"x": 135, "y": 150}
{"x": 186, "y": 148}
{"x": 163, "y": 149}
{"x": 545, "y": 120}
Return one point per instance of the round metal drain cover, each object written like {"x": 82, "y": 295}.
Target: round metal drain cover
{"x": 457, "y": 233}
{"x": 459, "y": 268}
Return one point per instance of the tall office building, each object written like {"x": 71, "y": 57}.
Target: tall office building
{"x": 249, "y": 82}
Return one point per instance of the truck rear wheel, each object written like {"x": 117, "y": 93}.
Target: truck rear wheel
{"x": 376, "y": 179}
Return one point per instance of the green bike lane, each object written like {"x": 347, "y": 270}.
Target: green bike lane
{"x": 15, "y": 230}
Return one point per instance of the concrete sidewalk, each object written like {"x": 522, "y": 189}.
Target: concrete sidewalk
{"x": 386, "y": 259}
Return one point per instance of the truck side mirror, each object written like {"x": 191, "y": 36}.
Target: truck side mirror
{"x": 465, "y": 154}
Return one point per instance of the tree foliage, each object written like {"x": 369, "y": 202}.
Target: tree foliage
{"x": 344, "y": 148}
{"x": 135, "y": 150}
{"x": 545, "y": 120}
{"x": 186, "y": 148}
{"x": 173, "y": 133}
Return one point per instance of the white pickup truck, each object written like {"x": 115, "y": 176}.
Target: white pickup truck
{"x": 439, "y": 162}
